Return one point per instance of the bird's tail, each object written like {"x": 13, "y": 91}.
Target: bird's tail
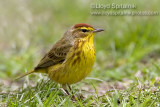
{"x": 27, "y": 73}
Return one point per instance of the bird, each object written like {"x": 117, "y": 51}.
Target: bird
{"x": 71, "y": 58}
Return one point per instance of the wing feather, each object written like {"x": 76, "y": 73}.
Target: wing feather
{"x": 56, "y": 55}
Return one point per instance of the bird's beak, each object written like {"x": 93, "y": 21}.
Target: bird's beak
{"x": 98, "y": 30}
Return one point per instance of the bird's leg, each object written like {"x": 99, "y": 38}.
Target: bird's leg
{"x": 73, "y": 96}
{"x": 80, "y": 96}
{"x": 70, "y": 89}
{"x": 65, "y": 89}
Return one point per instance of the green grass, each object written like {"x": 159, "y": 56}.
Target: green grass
{"x": 127, "y": 68}
{"x": 47, "y": 93}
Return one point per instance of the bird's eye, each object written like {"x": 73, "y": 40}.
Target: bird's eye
{"x": 84, "y": 30}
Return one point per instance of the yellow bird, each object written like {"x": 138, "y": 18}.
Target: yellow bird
{"x": 71, "y": 58}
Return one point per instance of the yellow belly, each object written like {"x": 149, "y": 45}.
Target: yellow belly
{"x": 76, "y": 67}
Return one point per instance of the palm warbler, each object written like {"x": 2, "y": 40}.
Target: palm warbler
{"x": 71, "y": 58}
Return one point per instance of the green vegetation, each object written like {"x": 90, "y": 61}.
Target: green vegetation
{"x": 127, "y": 68}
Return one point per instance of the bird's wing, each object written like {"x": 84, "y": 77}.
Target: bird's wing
{"x": 56, "y": 55}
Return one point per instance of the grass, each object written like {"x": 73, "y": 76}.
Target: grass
{"x": 47, "y": 93}
{"x": 126, "y": 71}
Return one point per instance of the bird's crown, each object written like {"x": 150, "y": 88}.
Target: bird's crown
{"x": 82, "y": 25}
{"x": 85, "y": 27}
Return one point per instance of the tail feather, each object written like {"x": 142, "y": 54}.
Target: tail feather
{"x": 27, "y": 73}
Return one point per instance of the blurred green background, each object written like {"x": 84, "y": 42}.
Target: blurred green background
{"x": 29, "y": 28}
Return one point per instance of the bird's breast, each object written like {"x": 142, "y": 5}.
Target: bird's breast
{"x": 81, "y": 61}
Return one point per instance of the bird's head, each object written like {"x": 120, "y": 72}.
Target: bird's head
{"x": 82, "y": 30}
